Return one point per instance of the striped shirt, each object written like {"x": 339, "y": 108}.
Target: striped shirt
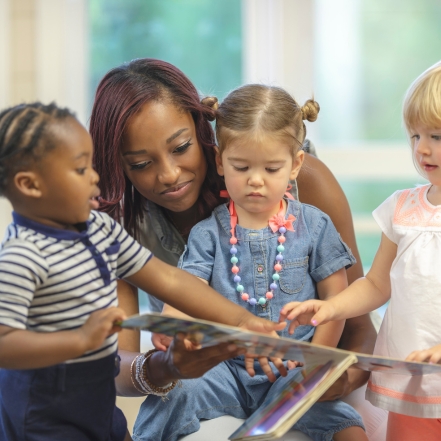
{"x": 53, "y": 279}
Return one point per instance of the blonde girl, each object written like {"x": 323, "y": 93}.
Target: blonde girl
{"x": 406, "y": 271}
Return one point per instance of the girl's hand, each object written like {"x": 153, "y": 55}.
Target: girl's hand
{"x": 432, "y": 355}
{"x": 266, "y": 367}
{"x": 99, "y": 326}
{"x": 315, "y": 312}
{"x": 161, "y": 341}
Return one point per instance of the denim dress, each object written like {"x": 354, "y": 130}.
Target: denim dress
{"x": 312, "y": 252}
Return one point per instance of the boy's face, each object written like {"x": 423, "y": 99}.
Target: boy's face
{"x": 67, "y": 181}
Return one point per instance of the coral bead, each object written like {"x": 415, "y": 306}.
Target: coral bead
{"x": 233, "y": 241}
{"x": 269, "y": 295}
{"x": 281, "y": 239}
{"x": 235, "y": 269}
{"x": 278, "y": 267}
{"x": 245, "y": 297}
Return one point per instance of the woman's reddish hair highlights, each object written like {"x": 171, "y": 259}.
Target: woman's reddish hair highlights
{"x": 121, "y": 94}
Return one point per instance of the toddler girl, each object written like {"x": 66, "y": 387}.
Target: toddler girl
{"x": 263, "y": 249}
{"x": 406, "y": 271}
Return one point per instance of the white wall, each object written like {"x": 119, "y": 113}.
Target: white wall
{"x": 43, "y": 56}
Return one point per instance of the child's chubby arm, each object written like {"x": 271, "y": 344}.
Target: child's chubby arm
{"x": 362, "y": 296}
{"x": 23, "y": 349}
{"x": 191, "y": 296}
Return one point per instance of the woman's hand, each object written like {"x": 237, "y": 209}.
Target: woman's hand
{"x": 432, "y": 355}
{"x": 178, "y": 362}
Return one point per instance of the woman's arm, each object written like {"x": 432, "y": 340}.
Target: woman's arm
{"x": 163, "y": 367}
{"x": 318, "y": 187}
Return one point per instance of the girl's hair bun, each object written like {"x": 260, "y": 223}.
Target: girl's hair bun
{"x": 310, "y": 110}
{"x": 213, "y": 103}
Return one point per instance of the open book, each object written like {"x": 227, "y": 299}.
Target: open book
{"x": 322, "y": 366}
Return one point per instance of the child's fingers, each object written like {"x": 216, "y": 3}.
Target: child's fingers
{"x": 292, "y": 364}
{"x": 435, "y": 358}
{"x": 249, "y": 365}
{"x": 278, "y": 363}
{"x": 292, "y": 326}
{"x": 158, "y": 341}
{"x": 266, "y": 367}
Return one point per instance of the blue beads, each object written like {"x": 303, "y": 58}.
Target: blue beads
{"x": 273, "y": 286}
{"x": 252, "y": 302}
{"x": 234, "y": 259}
{"x": 233, "y": 250}
{"x": 282, "y": 230}
{"x": 237, "y": 278}
{"x": 276, "y": 276}
{"x": 262, "y": 301}
{"x": 280, "y": 248}
{"x": 239, "y": 288}
{"x": 279, "y": 257}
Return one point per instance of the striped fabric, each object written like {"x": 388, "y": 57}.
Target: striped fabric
{"x": 53, "y": 279}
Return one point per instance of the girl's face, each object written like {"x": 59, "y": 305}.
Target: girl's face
{"x": 426, "y": 143}
{"x": 162, "y": 157}
{"x": 257, "y": 174}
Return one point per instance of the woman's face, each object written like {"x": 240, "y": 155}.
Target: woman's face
{"x": 162, "y": 157}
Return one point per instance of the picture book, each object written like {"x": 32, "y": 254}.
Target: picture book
{"x": 322, "y": 366}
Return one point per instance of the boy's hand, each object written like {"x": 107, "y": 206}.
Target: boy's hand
{"x": 432, "y": 355}
{"x": 310, "y": 312}
{"x": 99, "y": 326}
{"x": 257, "y": 324}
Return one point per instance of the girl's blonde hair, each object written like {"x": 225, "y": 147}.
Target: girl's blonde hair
{"x": 422, "y": 102}
{"x": 260, "y": 110}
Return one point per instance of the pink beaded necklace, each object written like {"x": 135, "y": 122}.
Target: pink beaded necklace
{"x": 276, "y": 223}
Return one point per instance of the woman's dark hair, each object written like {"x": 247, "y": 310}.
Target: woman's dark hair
{"x": 120, "y": 95}
{"x": 25, "y": 136}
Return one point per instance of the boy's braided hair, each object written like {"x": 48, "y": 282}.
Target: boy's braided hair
{"x": 24, "y": 136}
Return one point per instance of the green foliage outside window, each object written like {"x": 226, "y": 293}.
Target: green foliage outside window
{"x": 201, "y": 37}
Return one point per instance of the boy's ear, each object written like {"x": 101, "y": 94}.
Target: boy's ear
{"x": 297, "y": 164}
{"x": 219, "y": 166}
{"x": 28, "y": 184}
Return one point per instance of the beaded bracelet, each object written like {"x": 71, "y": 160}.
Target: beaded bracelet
{"x": 140, "y": 377}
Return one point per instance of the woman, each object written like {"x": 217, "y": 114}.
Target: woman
{"x": 154, "y": 151}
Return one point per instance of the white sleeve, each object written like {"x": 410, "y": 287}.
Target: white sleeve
{"x": 384, "y": 216}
